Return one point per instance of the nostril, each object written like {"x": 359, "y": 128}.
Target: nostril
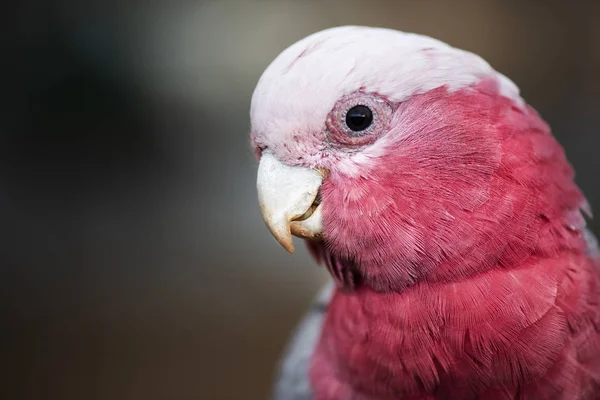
{"x": 259, "y": 149}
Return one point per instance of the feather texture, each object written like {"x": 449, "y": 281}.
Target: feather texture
{"x": 472, "y": 275}
{"x": 453, "y": 228}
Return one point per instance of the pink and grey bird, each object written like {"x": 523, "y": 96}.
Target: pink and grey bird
{"x": 444, "y": 210}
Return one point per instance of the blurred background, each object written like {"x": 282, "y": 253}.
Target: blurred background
{"x": 134, "y": 263}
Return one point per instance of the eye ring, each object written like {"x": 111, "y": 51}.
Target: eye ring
{"x": 372, "y": 115}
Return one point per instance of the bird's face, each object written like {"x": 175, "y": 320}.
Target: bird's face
{"x": 370, "y": 139}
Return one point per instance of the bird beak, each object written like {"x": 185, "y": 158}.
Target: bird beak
{"x": 288, "y": 200}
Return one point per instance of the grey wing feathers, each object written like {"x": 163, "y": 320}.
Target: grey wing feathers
{"x": 292, "y": 380}
{"x": 592, "y": 243}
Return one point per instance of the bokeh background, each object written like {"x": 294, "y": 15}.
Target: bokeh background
{"x": 134, "y": 263}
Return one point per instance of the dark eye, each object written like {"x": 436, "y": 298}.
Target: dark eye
{"x": 359, "y": 118}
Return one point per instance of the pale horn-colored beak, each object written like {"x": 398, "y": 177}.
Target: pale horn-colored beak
{"x": 288, "y": 200}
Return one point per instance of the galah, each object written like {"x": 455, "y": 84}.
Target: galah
{"x": 444, "y": 210}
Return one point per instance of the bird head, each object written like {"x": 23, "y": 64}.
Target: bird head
{"x": 398, "y": 157}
